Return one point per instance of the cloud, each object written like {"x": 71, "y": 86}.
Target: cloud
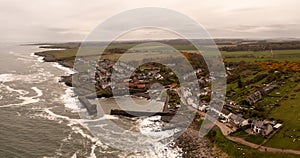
{"x": 67, "y": 20}
{"x": 241, "y": 9}
{"x": 262, "y": 28}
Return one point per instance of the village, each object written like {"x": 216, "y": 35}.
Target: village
{"x": 142, "y": 83}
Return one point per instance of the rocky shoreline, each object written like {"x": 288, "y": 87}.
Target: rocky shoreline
{"x": 193, "y": 146}
{"x": 47, "y": 57}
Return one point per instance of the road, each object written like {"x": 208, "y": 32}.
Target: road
{"x": 226, "y": 131}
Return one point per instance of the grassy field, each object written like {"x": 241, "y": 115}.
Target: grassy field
{"x": 94, "y": 52}
{"x": 250, "y": 56}
{"x": 237, "y": 151}
{"x": 248, "y": 137}
{"x": 241, "y": 134}
{"x": 289, "y": 112}
{"x": 255, "y": 139}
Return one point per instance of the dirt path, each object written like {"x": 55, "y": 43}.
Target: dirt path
{"x": 226, "y": 131}
{"x": 262, "y": 148}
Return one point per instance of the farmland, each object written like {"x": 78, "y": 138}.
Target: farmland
{"x": 240, "y": 151}
{"x": 251, "y": 56}
{"x": 289, "y": 112}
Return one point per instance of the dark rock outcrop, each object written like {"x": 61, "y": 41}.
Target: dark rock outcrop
{"x": 138, "y": 113}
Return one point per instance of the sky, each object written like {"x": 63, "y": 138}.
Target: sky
{"x": 73, "y": 20}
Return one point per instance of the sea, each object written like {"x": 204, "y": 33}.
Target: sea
{"x": 39, "y": 115}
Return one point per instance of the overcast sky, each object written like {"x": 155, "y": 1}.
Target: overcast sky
{"x": 73, "y": 20}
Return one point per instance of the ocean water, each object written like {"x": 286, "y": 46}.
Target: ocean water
{"x": 39, "y": 115}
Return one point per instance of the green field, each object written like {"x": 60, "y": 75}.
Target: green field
{"x": 237, "y": 151}
{"x": 248, "y": 137}
{"x": 236, "y": 56}
{"x": 289, "y": 112}
{"x": 250, "y": 56}
{"x": 255, "y": 139}
{"x": 94, "y": 51}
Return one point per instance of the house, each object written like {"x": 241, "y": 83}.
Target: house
{"x": 202, "y": 108}
{"x": 262, "y": 128}
{"x": 257, "y": 95}
{"x": 277, "y": 126}
{"x": 253, "y": 98}
{"x": 237, "y": 120}
{"x": 158, "y": 76}
{"x": 141, "y": 85}
{"x": 132, "y": 85}
{"x": 269, "y": 88}
{"x": 173, "y": 85}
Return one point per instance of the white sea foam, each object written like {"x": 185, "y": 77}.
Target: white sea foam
{"x": 92, "y": 154}
{"x": 26, "y": 100}
{"x": 19, "y": 114}
{"x": 32, "y": 78}
{"x": 39, "y": 58}
{"x": 38, "y": 92}
{"x": 72, "y": 123}
{"x": 104, "y": 117}
{"x": 70, "y": 100}
{"x": 20, "y": 91}
{"x": 53, "y": 116}
{"x": 96, "y": 142}
{"x": 164, "y": 151}
{"x": 6, "y": 78}
{"x": 152, "y": 127}
{"x": 74, "y": 155}
{"x": 66, "y": 69}
{"x": 94, "y": 146}
{"x": 57, "y": 79}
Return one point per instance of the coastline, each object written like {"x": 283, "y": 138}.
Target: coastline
{"x": 34, "y": 98}
{"x": 189, "y": 143}
{"x": 48, "y": 57}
